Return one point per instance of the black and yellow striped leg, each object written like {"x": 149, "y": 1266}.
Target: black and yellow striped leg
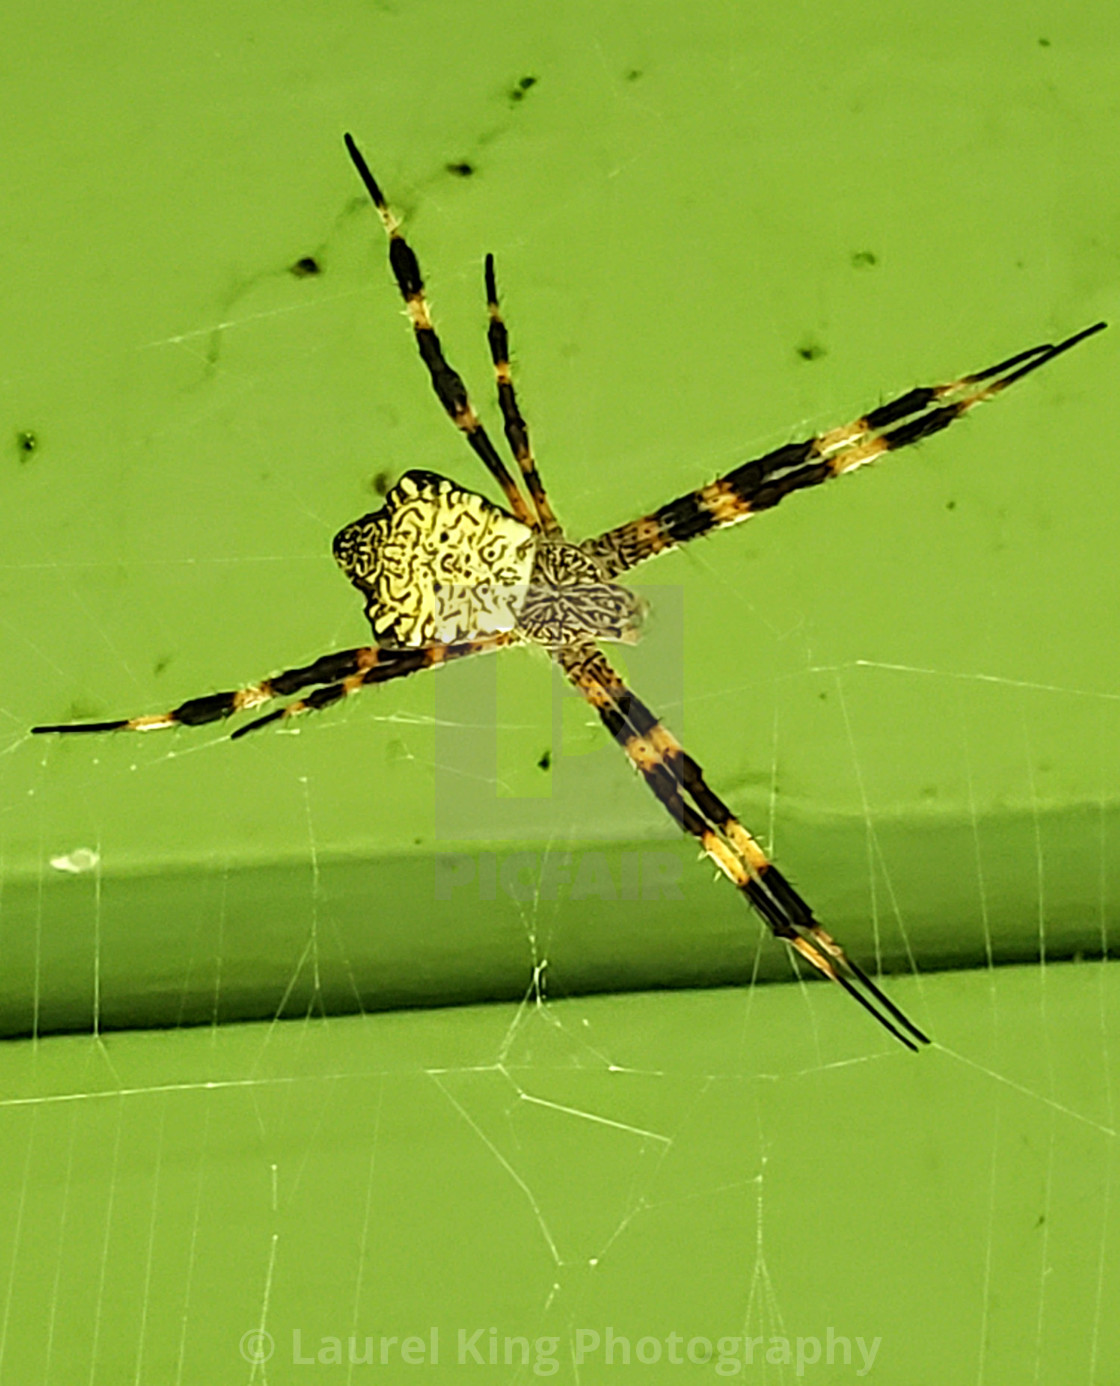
{"x": 517, "y": 433}
{"x": 447, "y": 383}
{"x": 213, "y": 707}
{"x": 338, "y": 674}
{"x": 765, "y": 481}
{"x": 672, "y": 775}
{"x": 386, "y": 665}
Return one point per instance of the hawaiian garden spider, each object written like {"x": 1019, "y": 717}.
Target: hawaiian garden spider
{"x": 446, "y": 574}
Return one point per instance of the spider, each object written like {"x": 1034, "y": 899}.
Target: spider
{"x": 446, "y": 574}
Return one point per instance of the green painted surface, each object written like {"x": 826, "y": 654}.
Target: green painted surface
{"x": 717, "y": 228}
{"x": 713, "y": 1164}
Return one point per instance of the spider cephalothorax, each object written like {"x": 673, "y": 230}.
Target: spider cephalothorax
{"x": 570, "y": 599}
{"x": 447, "y": 574}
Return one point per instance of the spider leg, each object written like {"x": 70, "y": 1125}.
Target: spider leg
{"x": 517, "y": 434}
{"x": 672, "y": 774}
{"x": 447, "y": 383}
{"x": 212, "y": 707}
{"x": 341, "y": 673}
{"x": 390, "y": 664}
{"x": 764, "y": 481}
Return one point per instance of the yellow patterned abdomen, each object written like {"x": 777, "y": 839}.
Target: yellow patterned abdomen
{"x": 437, "y": 564}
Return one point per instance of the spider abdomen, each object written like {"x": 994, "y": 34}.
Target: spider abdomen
{"x": 437, "y": 564}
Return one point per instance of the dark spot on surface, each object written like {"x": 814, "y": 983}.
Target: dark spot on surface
{"x": 26, "y": 443}
{"x": 545, "y": 762}
{"x": 950, "y": 505}
{"x": 864, "y": 259}
{"x": 634, "y": 74}
{"x": 823, "y": 697}
{"x": 444, "y": 536}
{"x": 462, "y": 169}
{"x": 305, "y": 267}
{"x": 1041, "y": 1220}
{"x": 381, "y": 481}
{"x": 161, "y": 664}
{"x": 1044, "y": 43}
{"x": 524, "y": 85}
{"x": 811, "y": 351}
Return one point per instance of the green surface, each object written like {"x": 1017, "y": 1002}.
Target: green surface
{"x": 710, "y": 1164}
{"x": 717, "y": 228}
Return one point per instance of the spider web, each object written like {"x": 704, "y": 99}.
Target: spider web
{"x": 242, "y": 1122}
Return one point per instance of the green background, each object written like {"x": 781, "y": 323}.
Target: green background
{"x": 717, "y": 228}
